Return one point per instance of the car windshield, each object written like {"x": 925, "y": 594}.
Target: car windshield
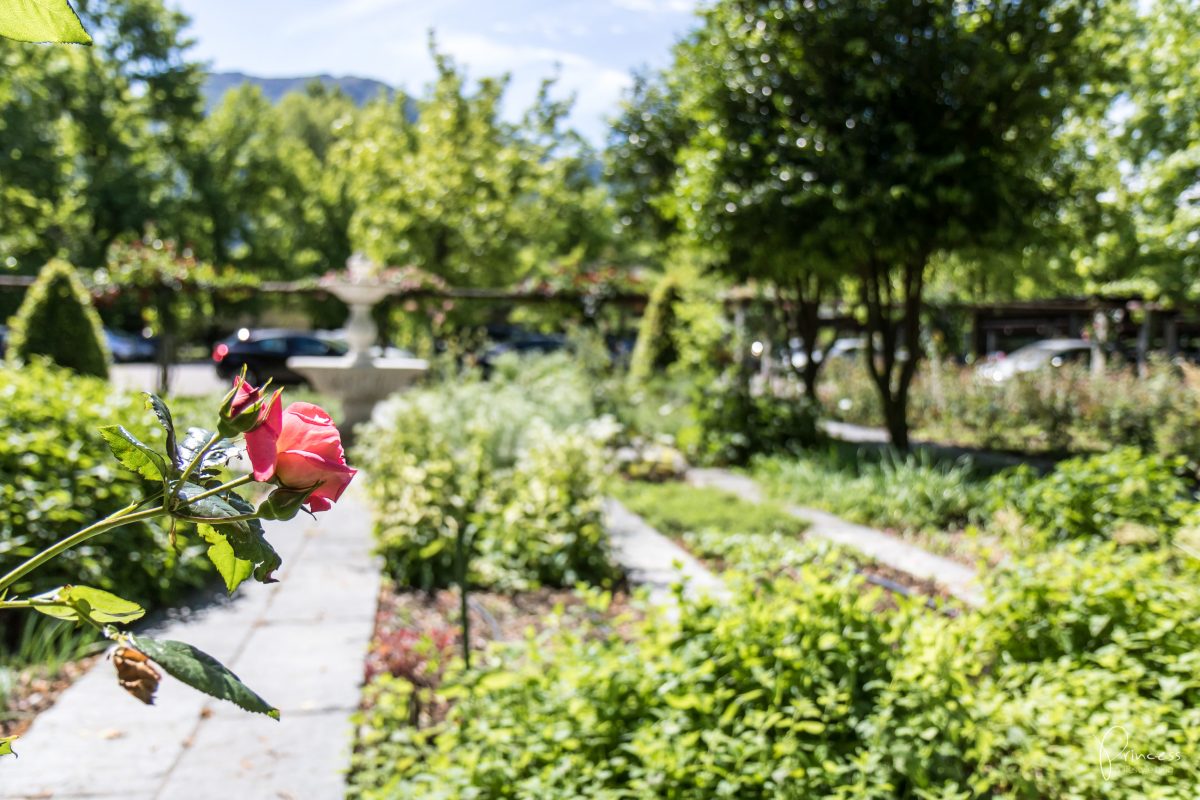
{"x": 1035, "y": 355}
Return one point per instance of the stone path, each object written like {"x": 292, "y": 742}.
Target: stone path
{"x": 654, "y": 561}
{"x": 958, "y": 579}
{"x": 299, "y": 643}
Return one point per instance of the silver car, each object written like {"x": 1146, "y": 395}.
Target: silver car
{"x": 1039, "y": 355}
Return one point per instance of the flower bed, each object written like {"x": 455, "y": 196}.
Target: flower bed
{"x": 817, "y": 685}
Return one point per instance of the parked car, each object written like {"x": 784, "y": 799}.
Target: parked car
{"x": 1048, "y": 353}
{"x": 128, "y": 347}
{"x": 264, "y": 353}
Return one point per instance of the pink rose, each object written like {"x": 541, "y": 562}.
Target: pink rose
{"x": 299, "y": 448}
{"x": 261, "y": 440}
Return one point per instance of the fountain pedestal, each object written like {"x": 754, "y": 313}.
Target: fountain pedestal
{"x": 357, "y": 378}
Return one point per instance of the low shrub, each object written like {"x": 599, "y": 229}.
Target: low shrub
{"x": 813, "y": 686}
{"x": 56, "y": 476}
{"x": 747, "y": 700}
{"x": 1134, "y": 497}
{"x": 513, "y": 463}
{"x": 733, "y": 424}
{"x": 1091, "y": 662}
{"x": 57, "y": 320}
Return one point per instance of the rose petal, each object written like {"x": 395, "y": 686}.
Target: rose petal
{"x": 262, "y": 442}
{"x": 298, "y": 469}
{"x": 316, "y": 503}
{"x": 307, "y": 427}
{"x": 245, "y": 396}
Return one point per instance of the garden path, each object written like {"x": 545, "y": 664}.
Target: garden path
{"x": 654, "y": 561}
{"x": 958, "y": 579}
{"x": 299, "y": 643}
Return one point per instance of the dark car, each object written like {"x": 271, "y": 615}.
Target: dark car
{"x": 264, "y": 353}
{"x": 128, "y": 347}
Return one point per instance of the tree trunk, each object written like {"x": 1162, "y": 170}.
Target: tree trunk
{"x": 799, "y": 305}
{"x": 888, "y": 335}
{"x": 166, "y": 338}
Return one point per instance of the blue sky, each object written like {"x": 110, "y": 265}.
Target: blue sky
{"x": 593, "y": 44}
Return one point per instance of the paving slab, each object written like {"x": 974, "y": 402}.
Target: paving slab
{"x": 958, "y": 579}
{"x": 299, "y": 643}
{"x": 654, "y": 561}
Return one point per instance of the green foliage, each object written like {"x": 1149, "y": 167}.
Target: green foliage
{"x": 57, "y": 321}
{"x": 759, "y": 539}
{"x": 94, "y": 137}
{"x": 756, "y": 696}
{"x": 733, "y": 423}
{"x": 677, "y": 508}
{"x": 511, "y": 462}
{"x": 1124, "y": 494}
{"x": 34, "y": 21}
{"x": 814, "y": 686}
{"x": 908, "y": 493}
{"x": 655, "y": 349}
{"x": 1055, "y": 410}
{"x": 203, "y": 673}
{"x": 465, "y": 195}
{"x": 1085, "y": 640}
{"x": 56, "y": 477}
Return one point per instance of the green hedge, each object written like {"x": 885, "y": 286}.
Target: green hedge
{"x": 513, "y": 461}
{"x": 57, "y": 320}
{"x": 818, "y": 686}
{"x": 57, "y": 476}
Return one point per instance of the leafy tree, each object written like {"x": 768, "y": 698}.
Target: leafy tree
{"x": 1157, "y": 128}
{"x": 640, "y": 161}
{"x": 93, "y": 136}
{"x": 57, "y": 320}
{"x": 465, "y": 195}
{"x": 891, "y": 132}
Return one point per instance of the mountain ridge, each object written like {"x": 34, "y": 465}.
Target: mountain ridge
{"x": 360, "y": 90}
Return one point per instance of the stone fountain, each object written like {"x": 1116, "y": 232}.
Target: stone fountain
{"x": 358, "y": 378}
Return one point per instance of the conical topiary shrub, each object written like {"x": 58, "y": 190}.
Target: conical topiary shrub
{"x": 57, "y": 320}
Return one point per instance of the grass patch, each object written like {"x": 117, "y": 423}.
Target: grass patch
{"x": 676, "y": 509}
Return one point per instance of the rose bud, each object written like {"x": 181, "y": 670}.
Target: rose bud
{"x": 244, "y": 408}
{"x": 302, "y": 452}
{"x": 284, "y": 503}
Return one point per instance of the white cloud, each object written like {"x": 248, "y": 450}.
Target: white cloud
{"x": 596, "y": 88}
{"x": 341, "y": 13}
{"x": 657, "y": 6}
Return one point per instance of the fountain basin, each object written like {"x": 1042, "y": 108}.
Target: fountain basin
{"x": 359, "y": 383}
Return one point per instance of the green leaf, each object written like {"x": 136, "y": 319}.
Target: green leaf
{"x": 203, "y": 673}
{"x": 218, "y": 455}
{"x": 233, "y": 570}
{"x": 95, "y": 604}
{"x": 155, "y": 404}
{"x": 253, "y": 546}
{"x": 252, "y": 543}
{"x": 6, "y": 745}
{"x": 133, "y": 454}
{"x": 214, "y": 509}
{"x": 41, "y": 21}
